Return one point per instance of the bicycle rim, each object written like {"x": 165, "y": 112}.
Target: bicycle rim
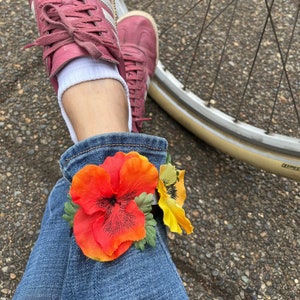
{"x": 255, "y": 143}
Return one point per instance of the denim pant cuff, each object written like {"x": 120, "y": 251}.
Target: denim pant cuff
{"x": 94, "y": 150}
{"x": 57, "y": 268}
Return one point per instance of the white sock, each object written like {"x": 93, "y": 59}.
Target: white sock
{"x": 85, "y": 69}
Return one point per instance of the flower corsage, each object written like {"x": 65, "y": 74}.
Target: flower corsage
{"x": 110, "y": 205}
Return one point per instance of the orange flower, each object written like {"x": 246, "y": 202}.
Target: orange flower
{"x": 108, "y": 220}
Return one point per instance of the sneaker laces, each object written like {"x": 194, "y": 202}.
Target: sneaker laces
{"x": 135, "y": 77}
{"x": 73, "y": 24}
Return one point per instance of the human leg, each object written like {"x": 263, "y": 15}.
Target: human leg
{"x": 47, "y": 264}
{"x": 136, "y": 274}
{"x": 149, "y": 274}
{"x": 57, "y": 269}
{"x": 88, "y": 118}
{"x": 74, "y": 35}
{"x": 80, "y": 45}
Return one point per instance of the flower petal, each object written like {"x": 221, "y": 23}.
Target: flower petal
{"x": 84, "y": 236}
{"x": 119, "y": 226}
{"x": 172, "y": 183}
{"x": 174, "y": 216}
{"x": 137, "y": 175}
{"x": 113, "y": 165}
{"x": 180, "y": 189}
{"x": 89, "y": 185}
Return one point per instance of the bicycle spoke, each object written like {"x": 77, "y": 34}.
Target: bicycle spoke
{"x": 239, "y": 57}
{"x": 223, "y": 53}
{"x": 195, "y": 41}
{"x": 283, "y": 72}
{"x": 163, "y": 31}
{"x": 197, "y": 46}
{"x": 283, "y": 62}
{"x": 242, "y": 100}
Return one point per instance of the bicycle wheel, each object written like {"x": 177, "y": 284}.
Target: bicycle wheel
{"x": 228, "y": 72}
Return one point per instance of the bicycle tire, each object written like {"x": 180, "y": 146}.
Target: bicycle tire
{"x": 274, "y": 153}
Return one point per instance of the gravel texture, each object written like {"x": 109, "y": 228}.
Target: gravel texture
{"x": 247, "y": 238}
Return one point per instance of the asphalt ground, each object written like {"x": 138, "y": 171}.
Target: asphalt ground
{"x": 247, "y": 236}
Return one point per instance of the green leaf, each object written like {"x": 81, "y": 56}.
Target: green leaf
{"x": 144, "y": 202}
{"x": 168, "y": 159}
{"x": 70, "y": 209}
{"x": 140, "y": 245}
{"x": 151, "y": 235}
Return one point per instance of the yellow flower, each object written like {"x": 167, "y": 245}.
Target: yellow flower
{"x": 172, "y": 196}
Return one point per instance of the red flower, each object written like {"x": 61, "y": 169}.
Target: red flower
{"x": 108, "y": 220}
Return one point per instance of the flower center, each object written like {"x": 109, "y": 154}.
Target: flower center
{"x": 112, "y": 201}
{"x": 108, "y": 202}
{"x": 172, "y": 191}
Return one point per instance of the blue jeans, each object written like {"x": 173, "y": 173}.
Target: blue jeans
{"x": 57, "y": 269}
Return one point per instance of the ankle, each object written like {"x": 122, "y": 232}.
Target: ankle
{"x": 94, "y": 109}
{"x": 86, "y": 69}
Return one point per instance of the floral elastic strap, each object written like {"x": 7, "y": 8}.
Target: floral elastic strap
{"x": 110, "y": 205}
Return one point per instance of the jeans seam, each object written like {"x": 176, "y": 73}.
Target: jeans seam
{"x": 110, "y": 145}
{"x": 166, "y": 251}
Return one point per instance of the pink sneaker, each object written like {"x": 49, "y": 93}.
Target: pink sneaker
{"x": 139, "y": 46}
{"x": 75, "y": 28}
